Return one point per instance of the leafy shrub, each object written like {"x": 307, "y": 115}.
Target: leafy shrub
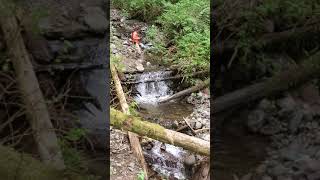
{"x": 187, "y": 24}
{"x": 186, "y": 16}
{"x": 157, "y": 38}
{"x": 146, "y": 10}
{"x": 193, "y": 52}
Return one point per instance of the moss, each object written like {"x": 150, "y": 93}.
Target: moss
{"x": 137, "y": 125}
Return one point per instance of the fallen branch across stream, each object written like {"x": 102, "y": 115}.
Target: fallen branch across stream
{"x": 122, "y": 121}
{"x": 295, "y": 76}
{"x": 166, "y": 78}
{"x": 186, "y": 91}
{"x": 70, "y": 66}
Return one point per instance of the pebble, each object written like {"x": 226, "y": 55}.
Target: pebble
{"x": 198, "y": 125}
{"x": 190, "y": 160}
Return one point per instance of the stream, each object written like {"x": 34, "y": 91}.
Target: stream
{"x": 165, "y": 159}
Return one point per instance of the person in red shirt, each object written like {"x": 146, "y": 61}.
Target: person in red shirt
{"x": 135, "y": 38}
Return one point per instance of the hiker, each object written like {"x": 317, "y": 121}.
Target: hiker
{"x": 135, "y": 38}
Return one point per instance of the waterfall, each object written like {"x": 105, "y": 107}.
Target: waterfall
{"x": 150, "y": 92}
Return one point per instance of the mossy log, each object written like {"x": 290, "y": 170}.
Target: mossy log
{"x": 186, "y": 91}
{"x": 294, "y": 76}
{"x": 120, "y": 120}
{"x": 32, "y": 96}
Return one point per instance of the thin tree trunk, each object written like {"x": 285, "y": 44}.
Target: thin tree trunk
{"x": 122, "y": 121}
{"x": 296, "y": 75}
{"x": 186, "y": 91}
{"x": 134, "y": 140}
{"x": 32, "y": 96}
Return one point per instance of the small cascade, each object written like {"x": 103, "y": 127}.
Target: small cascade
{"x": 149, "y": 92}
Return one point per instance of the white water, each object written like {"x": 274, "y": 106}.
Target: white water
{"x": 151, "y": 92}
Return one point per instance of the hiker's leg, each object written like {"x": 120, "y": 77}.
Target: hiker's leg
{"x": 138, "y": 48}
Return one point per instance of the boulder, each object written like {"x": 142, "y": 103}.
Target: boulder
{"x": 96, "y": 20}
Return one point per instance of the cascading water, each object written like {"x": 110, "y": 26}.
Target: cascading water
{"x": 164, "y": 158}
{"x": 153, "y": 87}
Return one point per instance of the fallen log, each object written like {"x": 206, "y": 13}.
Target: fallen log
{"x": 296, "y": 75}
{"x": 166, "y": 78}
{"x": 186, "y": 91}
{"x": 70, "y": 66}
{"x": 32, "y": 96}
{"x": 269, "y": 38}
{"x": 133, "y": 138}
{"x": 21, "y": 166}
{"x": 120, "y": 120}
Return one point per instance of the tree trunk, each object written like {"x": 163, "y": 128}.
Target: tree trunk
{"x": 32, "y": 96}
{"x": 133, "y": 138}
{"x": 120, "y": 120}
{"x": 20, "y": 166}
{"x": 186, "y": 91}
{"x": 296, "y": 75}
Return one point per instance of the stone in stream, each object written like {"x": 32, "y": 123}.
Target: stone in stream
{"x": 139, "y": 67}
{"x": 287, "y": 104}
{"x": 198, "y": 125}
{"x": 256, "y": 120}
{"x": 190, "y": 160}
{"x": 295, "y": 121}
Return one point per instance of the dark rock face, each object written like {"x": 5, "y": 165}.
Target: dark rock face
{"x": 294, "y": 131}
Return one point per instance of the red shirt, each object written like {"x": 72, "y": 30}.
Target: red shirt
{"x": 135, "y": 37}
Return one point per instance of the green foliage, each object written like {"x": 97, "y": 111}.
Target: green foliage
{"x": 187, "y": 23}
{"x": 140, "y": 175}
{"x": 117, "y": 61}
{"x": 36, "y": 15}
{"x": 73, "y": 158}
{"x": 75, "y": 134}
{"x": 132, "y": 108}
{"x": 251, "y": 23}
{"x": 146, "y": 10}
{"x": 185, "y": 17}
{"x": 157, "y": 38}
{"x": 194, "y": 52}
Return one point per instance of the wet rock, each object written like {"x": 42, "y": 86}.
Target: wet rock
{"x": 247, "y": 177}
{"x": 256, "y": 120}
{"x": 261, "y": 169}
{"x": 190, "y": 160}
{"x": 198, "y": 125}
{"x": 38, "y": 46}
{"x": 309, "y": 165}
{"x": 314, "y": 176}
{"x": 295, "y": 121}
{"x": 67, "y": 29}
{"x": 284, "y": 178}
{"x": 139, "y": 67}
{"x": 287, "y": 104}
{"x": 278, "y": 170}
{"x": 266, "y": 105}
{"x": 95, "y": 19}
{"x": 266, "y": 177}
